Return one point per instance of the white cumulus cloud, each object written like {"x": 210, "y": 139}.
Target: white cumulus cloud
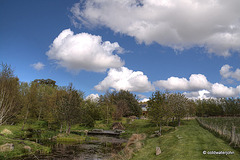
{"x": 227, "y": 73}
{"x": 201, "y": 94}
{"x": 38, "y": 66}
{"x": 84, "y": 51}
{"x": 219, "y": 90}
{"x": 93, "y": 97}
{"x": 198, "y": 87}
{"x": 144, "y": 100}
{"x": 125, "y": 79}
{"x": 180, "y": 24}
{"x": 196, "y": 82}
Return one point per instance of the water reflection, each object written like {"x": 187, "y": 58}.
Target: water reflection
{"x": 100, "y": 149}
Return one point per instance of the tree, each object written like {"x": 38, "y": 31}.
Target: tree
{"x": 68, "y": 105}
{"x": 9, "y": 85}
{"x": 157, "y": 108}
{"x": 126, "y": 103}
{"x": 178, "y": 102}
{"x": 30, "y": 103}
{"x": 49, "y": 82}
{"x": 107, "y": 106}
{"x": 89, "y": 112}
{"x": 191, "y": 108}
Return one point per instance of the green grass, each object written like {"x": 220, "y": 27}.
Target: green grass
{"x": 15, "y": 129}
{"x": 139, "y": 126}
{"x": 18, "y": 148}
{"x": 15, "y": 138}
{"x": 187, "y": 142}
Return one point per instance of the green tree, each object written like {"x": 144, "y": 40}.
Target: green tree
{"x": 178, "y": 103}
{"x": 68, "y": 102}
{"x": 158, "y": 108}
{"x": 126, "y": 103}
{"x": 90, "y": 111}
{"x": 107, "y": 106}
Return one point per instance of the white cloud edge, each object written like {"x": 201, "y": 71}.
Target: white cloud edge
{"x": 83, "y": 51}
{"x": 38, "y": 66}
{"x": 226, "y": 72}
{"x": 213, "y": 25}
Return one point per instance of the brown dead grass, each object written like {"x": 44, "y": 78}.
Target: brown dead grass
{"x": 133, "y": 145}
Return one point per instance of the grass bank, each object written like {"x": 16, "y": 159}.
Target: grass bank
{"x": 21, "y": 147}
{"x": 187, "y": 142}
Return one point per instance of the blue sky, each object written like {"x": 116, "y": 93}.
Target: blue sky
{"x": 189, "y": 46}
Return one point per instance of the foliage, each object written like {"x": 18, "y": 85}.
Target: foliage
{"x": 68, "y": 106}
{"x": 178, "y": 104}
{"x": 158, "y": 108}
{"x": 126, "y": 103}
{"x": 119, "y": 104}
{"x": 218, "y": 107}
{"x": 46, "y": 82}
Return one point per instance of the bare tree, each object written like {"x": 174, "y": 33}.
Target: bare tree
{"x": 8, "y": 93}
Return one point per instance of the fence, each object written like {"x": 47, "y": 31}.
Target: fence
{"x": 226, "y": 129}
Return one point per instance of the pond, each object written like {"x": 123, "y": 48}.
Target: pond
{"x": 100, "y": 149}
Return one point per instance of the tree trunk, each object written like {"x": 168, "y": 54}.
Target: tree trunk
{"x": 160, "y": 129}
{"x": 69, "y": 129}
{"x": 179, "y": 122}
{"x": 172, "y": 119}
{"x": 61, "y": 128}
{"x": 40, "y": 112}
{"x": 233, "y": 135}
{"x": 107, "y": 114}
{"x": 25, "y": 120}
{"x": 66, "y": 128}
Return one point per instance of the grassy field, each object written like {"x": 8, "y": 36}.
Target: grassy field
{"x": 186, "y": 142}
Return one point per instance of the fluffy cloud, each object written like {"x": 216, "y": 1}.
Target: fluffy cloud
{"x": 197, "y": 87}
{"x": 216, "y": 90}
{"x": 144, "y": 100}
{"x": 196, "y": 82}
{"x": 219, "y": 90}
{"x": 202, "y": 94}
{"x": 227, "y": 73}
{"x": 123, "y": 78}
{"x": 213, "y": 24}
{"x": 93, "y": 97}
{"x": 84, "y": 51}
{"x": 38, "y": 66}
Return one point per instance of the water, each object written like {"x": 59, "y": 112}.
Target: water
{"x": 100, "y": 149}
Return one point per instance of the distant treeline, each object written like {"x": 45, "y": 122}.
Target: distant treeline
{"x": 218, "y": 107}
{"x": 43, "y": 100}
{"x": 58, "y": 106}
